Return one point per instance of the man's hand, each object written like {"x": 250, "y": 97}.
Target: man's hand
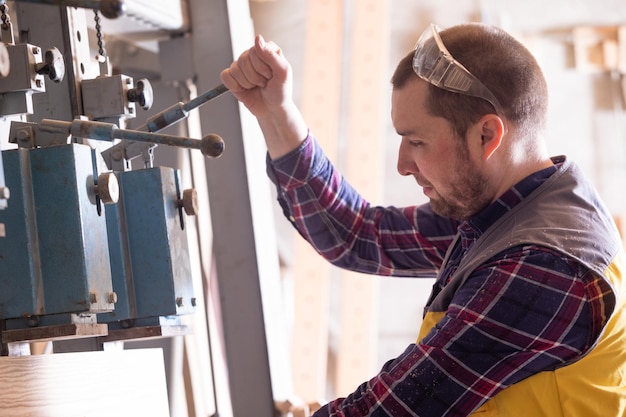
{"x": 261, "y": 79}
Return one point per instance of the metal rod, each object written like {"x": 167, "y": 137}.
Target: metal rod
{"x": 211, "y": 145}
{"x": 203, "y": 98}
{"x": 158, "y": 138}
{"x": 180, "y": 111}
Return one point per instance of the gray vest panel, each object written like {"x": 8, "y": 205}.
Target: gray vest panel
{"x": 564, "y": 213}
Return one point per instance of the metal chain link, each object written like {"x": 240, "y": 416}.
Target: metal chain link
{"x": 101, "y": 50}
{"x": 6, "y": 19}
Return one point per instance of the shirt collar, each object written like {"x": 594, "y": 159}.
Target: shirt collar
{"x": 479, "y": 223}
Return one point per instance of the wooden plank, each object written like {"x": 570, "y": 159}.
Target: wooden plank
{"x": 55, "y": 333}
{"x": 144, "y": 333}
{"x": 321, "y": 87}
{"x": 356, "y": 354}
{"x": 86, "y": 384}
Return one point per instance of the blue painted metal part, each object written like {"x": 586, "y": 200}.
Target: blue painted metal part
{"x": 148, "y": 247}
{"x": 57, "y": 259}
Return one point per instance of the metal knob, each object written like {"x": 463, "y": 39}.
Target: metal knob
{"x": 112, "y": 9}
{"x": 189, "y": 202}
{"x": 141, "y": 94}
{"x": 53, "y": 65}
{"x": 212, "y": 146}
{"x": 108, "y": 188}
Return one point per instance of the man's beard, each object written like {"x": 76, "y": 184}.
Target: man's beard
{"x": 467, "y": 192}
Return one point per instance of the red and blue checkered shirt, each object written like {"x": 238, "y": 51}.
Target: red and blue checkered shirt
{"x": 528, "y": 310}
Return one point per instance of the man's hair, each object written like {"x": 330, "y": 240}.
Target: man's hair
{"x": 502, "y": 64}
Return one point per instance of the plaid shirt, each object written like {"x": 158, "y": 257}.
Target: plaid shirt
{"x": 529, "y": 310}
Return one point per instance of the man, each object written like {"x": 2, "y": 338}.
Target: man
{"x": 526, "y": 315}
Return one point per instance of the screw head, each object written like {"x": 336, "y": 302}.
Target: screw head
{"x": 23, "y": 135}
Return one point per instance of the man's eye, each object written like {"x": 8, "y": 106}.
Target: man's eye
{"x": 416, "y": 143}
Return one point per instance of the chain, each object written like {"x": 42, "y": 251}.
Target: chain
{"x": 101, "y": 50}
{"x": 6, "y": 19}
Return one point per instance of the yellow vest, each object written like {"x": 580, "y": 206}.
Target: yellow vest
{"x": 595, "y": 384}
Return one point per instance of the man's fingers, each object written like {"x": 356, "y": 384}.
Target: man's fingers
{"x": 243, "y": 74}
{"x": 230, "y": 82}
{"x": 255, "y": 71}
{"x": 255, "y": 67}
{"x": 260, "y": 66}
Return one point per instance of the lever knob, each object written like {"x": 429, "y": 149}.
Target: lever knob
{"x": 212, "y": 146}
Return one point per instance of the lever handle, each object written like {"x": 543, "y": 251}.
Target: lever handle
{"x": 142, "y": 94}
{"x": 53, "y": 65}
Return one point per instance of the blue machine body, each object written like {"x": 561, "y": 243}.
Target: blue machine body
{"x": 55, "y": 258}
{"x": 150, "y": 264}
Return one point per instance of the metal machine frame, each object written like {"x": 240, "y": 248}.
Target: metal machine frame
{"x": 244, "y": 249}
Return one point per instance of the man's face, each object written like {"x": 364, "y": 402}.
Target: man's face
{"x": 436, "y": 157}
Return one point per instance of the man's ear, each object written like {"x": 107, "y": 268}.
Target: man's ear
{"x": 492, "y": 131}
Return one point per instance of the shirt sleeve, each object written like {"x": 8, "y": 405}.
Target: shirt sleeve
{"x": 531, "y": 310}
{"x": 349, "y": 232}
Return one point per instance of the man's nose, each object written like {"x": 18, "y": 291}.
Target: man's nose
{"x": 406, "y": 165}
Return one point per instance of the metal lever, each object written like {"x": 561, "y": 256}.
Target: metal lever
{"x": 115, "y": 156}
{"x": 180, "y": 111}
{"x": 211, "y": 145}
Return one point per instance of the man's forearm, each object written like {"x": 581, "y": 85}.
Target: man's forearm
{"x": 283, "y": 130}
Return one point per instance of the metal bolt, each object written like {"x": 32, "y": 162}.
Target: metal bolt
{"x": 179, "y": 301}
{"x": 23, "y": 135}
{"x": 93, "y": 297}
{"x": 32, "y": 321}
{"x": 117, "y": 155}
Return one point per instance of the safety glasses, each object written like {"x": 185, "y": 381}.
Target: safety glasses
{"x": 434, "y": 64}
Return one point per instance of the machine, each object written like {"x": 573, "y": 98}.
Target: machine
{"x": 93, "y": 233}
{"x": 89, "y": 244}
